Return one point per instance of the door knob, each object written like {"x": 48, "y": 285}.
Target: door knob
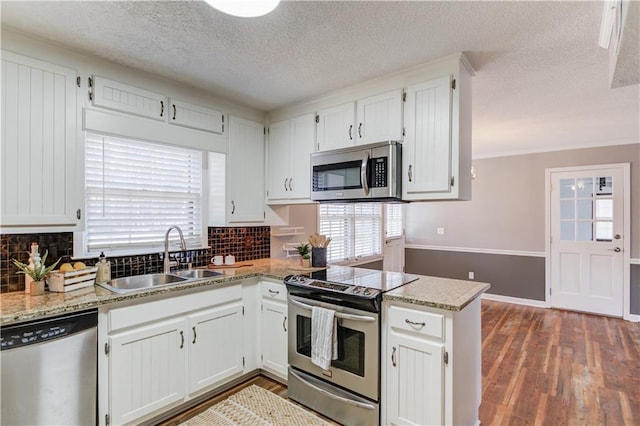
{"x": 617, "y": 236}
{"x": 617, "y": 249}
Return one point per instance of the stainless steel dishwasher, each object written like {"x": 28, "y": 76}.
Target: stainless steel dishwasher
{"x": 49, "y": 371}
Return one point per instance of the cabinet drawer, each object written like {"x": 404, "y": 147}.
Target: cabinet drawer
{"x": 424, "y": 323}
{"x": 273, "y": 291}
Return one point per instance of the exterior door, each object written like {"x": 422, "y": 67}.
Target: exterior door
{"x": 587, "y": 239}
{"x": 393, "y": 254}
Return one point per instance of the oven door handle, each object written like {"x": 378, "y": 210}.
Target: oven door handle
{"x": 337, "y": 314}
{"x": 333, "y": 396}
{"x": 363, "y": 174}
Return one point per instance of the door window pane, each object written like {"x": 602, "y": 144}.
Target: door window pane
{"x": 584, "y": 188}
{"x": 585, "y": 209}
{"x": 585, "y": 231}
{"x": 567, "y": 210}
{"x": 604, "y": 209}
{"x": 567, "y": 188}
{"x": 604, "y": 231}
{"x": 567, "y": 231}
{"x": 604, "y": 185}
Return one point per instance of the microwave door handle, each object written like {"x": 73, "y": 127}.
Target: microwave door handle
{"x": 363, "y": 174}
{"x": 337, "y": 314}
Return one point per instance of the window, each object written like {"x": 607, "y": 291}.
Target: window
{"x": 135, "y": 190}
{"x": 394, "y": 220}
{"x": 355, "y": 230}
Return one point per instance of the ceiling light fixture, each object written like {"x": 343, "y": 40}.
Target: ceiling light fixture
{"x": 244, "y": 8}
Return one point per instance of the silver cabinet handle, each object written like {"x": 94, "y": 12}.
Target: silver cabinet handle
{"x": 393, "y": 357}
{"x": 410, "y": 173}
{"x": 419, "y": 324}
{"x": 194, "y": 336}
{"x": 274, "y": 292}
{"x": 360, "y": 130}
{"x": 161, "y": 108}
{"x": 333, "y": 396}
{"x": 284, "y": 324}
{"x": 174, "y": 111}
{"x": 233, "y": 207}
{"x": 364, "y": 168}
{"x": 337, "y": 314}
{"x": 350, "y": 128}
{"x": 181, "y": 339}
{"x": 290, "y": 180}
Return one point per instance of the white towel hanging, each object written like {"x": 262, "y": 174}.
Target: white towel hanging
{"x": 324, "y": 337}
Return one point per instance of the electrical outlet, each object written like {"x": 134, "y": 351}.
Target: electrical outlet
{"x": 472, "y": 276}
{"x": 440, "y": 231}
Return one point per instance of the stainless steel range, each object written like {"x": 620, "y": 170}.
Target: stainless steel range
{"x": 349, "y": 391}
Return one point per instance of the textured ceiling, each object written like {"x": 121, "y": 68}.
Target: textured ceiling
{"x": 541, "y": 79}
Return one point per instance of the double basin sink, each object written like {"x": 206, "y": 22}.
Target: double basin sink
{"x": 148, "y": 281}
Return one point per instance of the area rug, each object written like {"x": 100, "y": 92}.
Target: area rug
{"x": 255, "y": 406}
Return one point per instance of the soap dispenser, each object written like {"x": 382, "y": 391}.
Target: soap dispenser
{"x": 104, "y": 269}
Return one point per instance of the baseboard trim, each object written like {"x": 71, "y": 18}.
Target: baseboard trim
{"x": 632, "y": 318}
{"x": 478, "y": 250}
{"x": 515, "y": 300}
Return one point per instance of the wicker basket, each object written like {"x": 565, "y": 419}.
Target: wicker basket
{"x": 61, "y": 282}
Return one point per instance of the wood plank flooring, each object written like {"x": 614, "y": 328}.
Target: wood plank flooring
{"x": 551, "y": 367}
{"x": 541, "y": 367}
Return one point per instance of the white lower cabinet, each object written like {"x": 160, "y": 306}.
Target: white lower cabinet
{"x": 431, "y": 365}
{"x": 146, "y": 370}
{"x": 273, "y": 328}
{"x": 215, "y": 346}
{"x": 163, "y": 353}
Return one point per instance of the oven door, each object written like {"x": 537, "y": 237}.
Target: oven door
{"x": 357, "y": 367}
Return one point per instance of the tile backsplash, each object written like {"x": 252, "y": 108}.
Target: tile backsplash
{"x": 245, "y": 243}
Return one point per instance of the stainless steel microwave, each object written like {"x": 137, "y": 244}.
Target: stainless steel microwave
{"x": 358, "y": 173}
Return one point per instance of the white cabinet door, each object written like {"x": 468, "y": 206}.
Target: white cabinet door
{"x": 40, "y": 161}
{"x": 380, "y": 118}
{"x": 245, "y": 202}
{"x": 130, "y": 99}
{"x": 274, "y": 337}
{"x": 427, "y": 146}
{"x": 279, "y": 161}
{"x": 146, "y": 370}
{"x": 415, "y": 385}
{"x": 302, "y": 140}
{"x": 195, "y": 116}
{"x": 215, "y": 346}
{"x": 336, "y": 127}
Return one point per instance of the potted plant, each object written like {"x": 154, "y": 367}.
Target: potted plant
{"x": 304, "y": 252}
{"x": 37, "y": 273}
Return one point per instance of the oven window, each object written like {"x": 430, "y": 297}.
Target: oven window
{"x": 350, "y": 346}
{"x": 336, "y": 177}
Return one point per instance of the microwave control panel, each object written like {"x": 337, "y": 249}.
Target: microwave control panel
{"x": 379, "y": 168}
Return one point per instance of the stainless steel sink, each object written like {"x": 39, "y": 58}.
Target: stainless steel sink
{"x": 148, "y": 281}
{"x": 197, "y": 273}
{"x": 141, "y": 282}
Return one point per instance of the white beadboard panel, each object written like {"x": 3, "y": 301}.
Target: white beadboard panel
{"x": 146, "y": 370}
{"x": 133, "y": 100}
{"x": 195, "y": 116}
{"x": 39, "y": 152}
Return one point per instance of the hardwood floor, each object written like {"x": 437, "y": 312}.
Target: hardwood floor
{"x": 551, "y": 367}
{"x": 541, "y": 367}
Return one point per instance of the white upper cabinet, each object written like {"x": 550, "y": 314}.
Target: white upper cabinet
{"x": 122, "y": 97}
{"x": 289, "y": 167}
{"x": 196, "y": 117}
{"x": 379, "y": 118}
{"x": 437, "y": 146}
{"x": 245, "y": 200}
{"x": 40, "y": 163}
{"x": 336, "y": 127}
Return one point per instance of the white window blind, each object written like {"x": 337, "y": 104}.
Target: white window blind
{"x": 135, "y": 190}
{"x": 393, "y": 219}
{"x": 355, "y": 230}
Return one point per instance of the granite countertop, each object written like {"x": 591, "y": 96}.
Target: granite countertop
{"x": 428, "y": 291}
{"x": 435, "y": 292}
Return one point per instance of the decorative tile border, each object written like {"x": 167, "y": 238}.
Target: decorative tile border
{"x": 245, "y": 243}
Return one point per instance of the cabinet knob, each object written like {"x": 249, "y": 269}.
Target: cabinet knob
{"x": 161, "y": 108}
{"x": 285, "y": 184}
{"x": 174, "y": 111}
{"x": 181, "y": 339}
{"x": 410, "y": 173}
{"x": 393, "y": 357}
{"x": 233, "y": 207}
{"x": 284, "y": 324}
{"x": 350, "y": 128}
{"x": 290, "y": 187}
{"x": 360, "y": 130}
{"x": 195, "y": 336}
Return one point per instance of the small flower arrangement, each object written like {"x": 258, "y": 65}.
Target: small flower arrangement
{"x": 38, "y": 272}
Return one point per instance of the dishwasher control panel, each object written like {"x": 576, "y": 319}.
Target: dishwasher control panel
{"x": 27, "y": 336}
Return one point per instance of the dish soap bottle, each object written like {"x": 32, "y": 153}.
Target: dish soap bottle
{"x": 104, "y": 269}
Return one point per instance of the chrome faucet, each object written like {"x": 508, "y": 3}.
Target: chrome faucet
{"x": 183, "y": 246}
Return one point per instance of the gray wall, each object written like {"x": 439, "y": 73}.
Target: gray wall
{"x": 507, "y": 212}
